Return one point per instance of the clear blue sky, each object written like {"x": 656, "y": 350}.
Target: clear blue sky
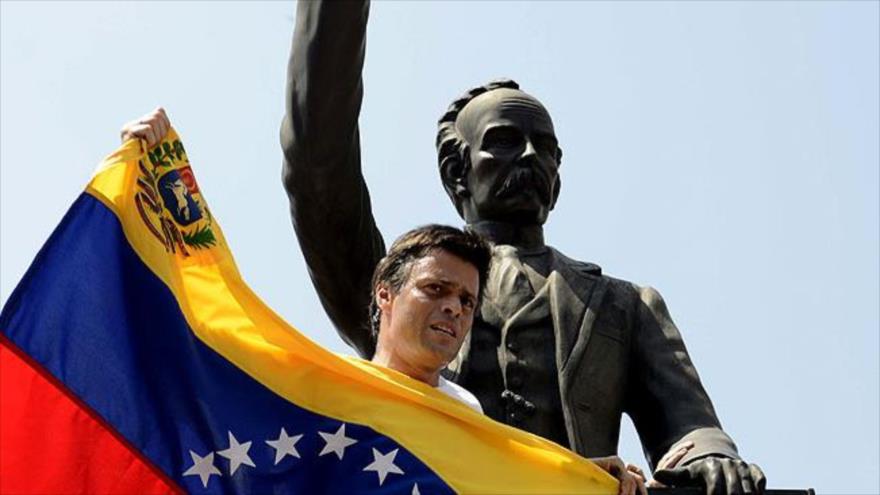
{"x": 725, "y": 153}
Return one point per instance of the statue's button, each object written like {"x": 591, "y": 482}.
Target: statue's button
{"x": 514, "y": 417}
{"x": 512, "y": 346}
{"x": 515, "y": 381}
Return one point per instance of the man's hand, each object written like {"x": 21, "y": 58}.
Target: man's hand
{"x": 152, "y": 128}
{"x": 671, "y": 460}
{"x": 631, "y": 478}
{"x": 718, "y": 475}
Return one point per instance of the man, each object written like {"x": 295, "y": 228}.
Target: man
{"x": 425, "y": 292}
{"x": 558, "y": 348}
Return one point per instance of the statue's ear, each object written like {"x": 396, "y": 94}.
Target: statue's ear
{"x": 557, "y": 185}
{"x": 453, "y": 172}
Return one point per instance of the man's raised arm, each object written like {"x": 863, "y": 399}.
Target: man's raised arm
{"x": 329, "y": 201}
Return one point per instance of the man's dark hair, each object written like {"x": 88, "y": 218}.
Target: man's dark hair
{"x": 394, "y": 269}
{"x": 453, "y": 153}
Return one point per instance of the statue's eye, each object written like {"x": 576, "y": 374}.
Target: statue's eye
{"x": 503, "y": 137}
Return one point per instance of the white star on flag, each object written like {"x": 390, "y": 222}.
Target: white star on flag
{"x": 336, "y": 442}
{"x": 383, "y": 464}
{"x": 237, "y": 453}
{"x": 415, "y": 490}
{"x": 203, "y": 467}
{"x": 285, "y": 445}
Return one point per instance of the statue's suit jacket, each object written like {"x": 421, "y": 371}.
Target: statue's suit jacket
{"x": 617, "y": 349}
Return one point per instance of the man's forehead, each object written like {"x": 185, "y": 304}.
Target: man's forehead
{"x": 504, "y": 105}
{"x": 443, "y": 266}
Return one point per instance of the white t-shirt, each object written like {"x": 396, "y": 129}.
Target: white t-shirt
{"x": 456, "y": 391}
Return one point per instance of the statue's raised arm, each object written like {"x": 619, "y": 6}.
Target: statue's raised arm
{"x": 329, "y": 201}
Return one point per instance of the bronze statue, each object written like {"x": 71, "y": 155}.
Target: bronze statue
{"x": 558, "y": 348}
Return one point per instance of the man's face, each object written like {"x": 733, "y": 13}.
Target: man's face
{"x": 513, "y": 153}
{"x": 425, "y": 322}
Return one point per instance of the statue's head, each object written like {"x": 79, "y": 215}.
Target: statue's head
{"x": 498, "y": 155}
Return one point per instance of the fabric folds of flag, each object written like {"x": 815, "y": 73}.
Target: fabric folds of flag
{"x": 136, "y": 360}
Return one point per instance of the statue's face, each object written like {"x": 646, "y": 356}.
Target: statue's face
{"x": 514, "y": 173}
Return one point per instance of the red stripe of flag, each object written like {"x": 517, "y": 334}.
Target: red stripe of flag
{"x": 50, "y": 442}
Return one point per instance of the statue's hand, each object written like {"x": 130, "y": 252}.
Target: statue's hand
{"x": 152, "y": 128}
{"x": 718, "y": 475}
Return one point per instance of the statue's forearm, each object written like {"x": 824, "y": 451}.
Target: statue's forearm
{"x": 324, "y": 84}
{"x": 666, "y": 380}
{"x": 329, "y": 200}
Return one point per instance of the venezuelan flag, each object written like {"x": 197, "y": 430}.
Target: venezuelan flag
{"x": 136, "y": 360}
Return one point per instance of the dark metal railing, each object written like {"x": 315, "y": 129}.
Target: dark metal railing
{"x": 699, "y": 491}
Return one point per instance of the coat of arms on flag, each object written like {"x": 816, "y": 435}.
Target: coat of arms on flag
{"x": 169, "y": 202}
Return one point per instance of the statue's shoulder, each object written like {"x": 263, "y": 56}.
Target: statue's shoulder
{"x": 592, "y": 270}
{"x": 581, "y": 267}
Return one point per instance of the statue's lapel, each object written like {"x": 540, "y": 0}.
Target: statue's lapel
{"x": 575, "y": 295}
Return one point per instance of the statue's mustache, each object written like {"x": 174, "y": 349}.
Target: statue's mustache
{"x": 522, "y": 179}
